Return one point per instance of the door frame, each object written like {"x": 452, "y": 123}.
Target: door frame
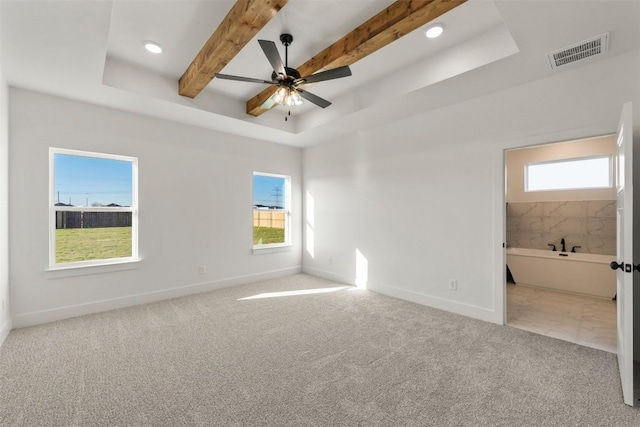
{"x": 500, "y": 189}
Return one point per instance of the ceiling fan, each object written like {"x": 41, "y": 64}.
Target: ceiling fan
{"x": 291, "y": 86}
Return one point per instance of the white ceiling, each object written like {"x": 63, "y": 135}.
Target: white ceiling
{"x": 92, "y": 51}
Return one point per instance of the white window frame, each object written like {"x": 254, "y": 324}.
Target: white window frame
{"x": 53, "y": 209}
{"x": 286, "y": 209}
{"x": 567, "y": 160}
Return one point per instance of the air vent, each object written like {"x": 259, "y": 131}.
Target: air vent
{"x": 594, "y": 46}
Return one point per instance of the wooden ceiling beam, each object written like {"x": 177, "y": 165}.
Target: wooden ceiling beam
{"x": 397, "y": 20}
{"x": 245, "y": 19}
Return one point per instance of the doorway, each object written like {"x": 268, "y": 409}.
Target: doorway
{"x": 560, "y": 216}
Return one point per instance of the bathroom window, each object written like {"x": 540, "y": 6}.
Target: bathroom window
{"x": 569, "y": 174}
{"x": 271, "y": 210}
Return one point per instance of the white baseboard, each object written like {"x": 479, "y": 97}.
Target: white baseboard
{"x": 439, "y": 303}
{"x": 45, "y": 316}
{"x": 4, "y": 330}
{"x": 329, "y": 275}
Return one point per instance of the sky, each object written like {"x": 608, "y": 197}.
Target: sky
{"x": 83, "y": 181}
{"x": 88, "y": 180}
{"x": 266, "y": 190}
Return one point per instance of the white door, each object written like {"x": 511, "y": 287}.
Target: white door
{"x": 624, "y": 255}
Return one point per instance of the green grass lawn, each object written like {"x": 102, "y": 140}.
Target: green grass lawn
{"x": 82, "y": 244}
{"x": 267, "y": 235}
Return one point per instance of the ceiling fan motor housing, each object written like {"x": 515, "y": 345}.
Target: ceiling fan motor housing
{"x": 292, "y": 74}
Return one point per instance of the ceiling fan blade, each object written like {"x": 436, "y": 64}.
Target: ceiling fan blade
{"x": 320, "y": 102}
{"x": 335, "y": 73}
{"x": 271, "y": 51}
{"x": 242, "y": 79}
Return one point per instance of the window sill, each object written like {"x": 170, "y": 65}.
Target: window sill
{"x": 267, "y": 249}
{"x": 60, "y": 271}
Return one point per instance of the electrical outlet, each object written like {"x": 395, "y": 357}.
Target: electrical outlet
{"x": 453, "y": 284}
{"x": 202, "y": 269}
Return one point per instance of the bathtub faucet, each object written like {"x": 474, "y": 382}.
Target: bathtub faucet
{"x": 562, "y": 243}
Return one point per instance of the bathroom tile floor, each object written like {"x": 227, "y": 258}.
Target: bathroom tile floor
{"x": 584, "y": 320}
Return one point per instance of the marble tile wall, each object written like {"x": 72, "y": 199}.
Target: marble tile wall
{"x": 590, "y": 224}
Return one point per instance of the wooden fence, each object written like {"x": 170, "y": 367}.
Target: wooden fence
{"x": 268, "y": 218}
{"x": 73, "y": 219}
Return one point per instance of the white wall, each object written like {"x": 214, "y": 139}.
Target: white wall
{"x": 195, "y": 208}
{"x": 517, "y": 159}
{"x": 5, "y": 316}
{"x": 423, "y": 199}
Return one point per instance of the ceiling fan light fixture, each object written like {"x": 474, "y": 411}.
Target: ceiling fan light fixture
{"x": 295, "y": 97}
{"x": 152, "y": 47}
{"x": 290, "y": 100}
{"x": 280, "y": 95}
{"x": 434, "y": 31}
{"x": 287, "y": 96}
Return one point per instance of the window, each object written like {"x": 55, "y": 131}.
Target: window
{"x": 93, "y": 208}
{"x": 271, "y": 210}
{"x": 569, "y": 174}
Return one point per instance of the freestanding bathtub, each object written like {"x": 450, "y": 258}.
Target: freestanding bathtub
{"x": 580, "y": 273}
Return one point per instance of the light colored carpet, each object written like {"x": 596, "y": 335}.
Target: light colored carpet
{"x": 346, "y": 357}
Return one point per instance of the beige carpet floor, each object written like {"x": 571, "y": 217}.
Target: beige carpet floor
{"x": 334, "y": 357}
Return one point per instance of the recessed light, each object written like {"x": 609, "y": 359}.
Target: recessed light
{"x": 152, "y": 47}
{"x": 434, "y": 31}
